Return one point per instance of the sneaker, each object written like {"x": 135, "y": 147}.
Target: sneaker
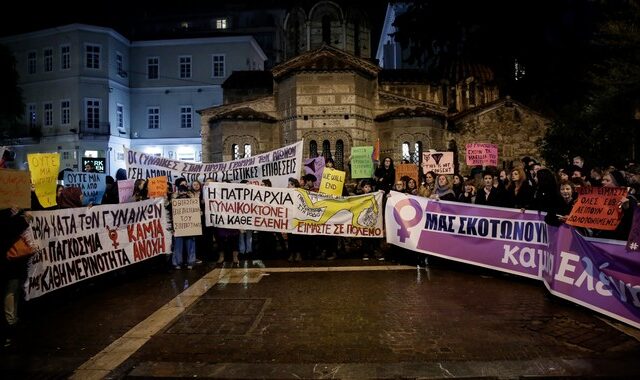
{"x": 189, "y": 267}
{"x": 178, "y": 267}
{"x": 332, "y": 257}
{"x": 290, "y": 259}
{"x": 298, "y": 257}
{"x": 381, "y": 258}
{"x": 365, "y": 258}
{"x": 198, "y": 262}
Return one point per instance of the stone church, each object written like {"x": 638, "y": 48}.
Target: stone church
{"x": 333, "y": 96}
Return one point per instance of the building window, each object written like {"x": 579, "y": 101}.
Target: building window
{"x": 185, "y": 67}
{"x": 406, "y": 153}
{"x": 92, "y": 56}
{"x": 65, "y": 112}
{"x": 326, "y": 149}
{"x": 153, "y": 68}
{"x": 32, "y": 60}
{"x": 92, "y": 110}
{"x": 417, "y": 153}
{"x": 120, "y": 65}
{"x": 339, "y": 160}
{"x": 66, "y": 155}
{"x": 32, "y": 115}
{"x": 48, "y": 60}
{"x": 221, "y": 23}
{"x": 313, "y": 149}
{"x": 153, "y": 117}
{"x": 235, "y": 152}
{"x": 326, "y": 29}
{"x": 217, "y": 70}
{"x": 186, "y": 117}
{"x": 48, "y": 114}
{"x": 65, "y": 57}
{"x": 247, "y": 150}
{"x": 120, "y": 116}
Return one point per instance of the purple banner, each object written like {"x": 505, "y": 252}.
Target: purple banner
{"x": 598, "y": 274}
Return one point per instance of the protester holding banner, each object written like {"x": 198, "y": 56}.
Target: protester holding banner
{"x": 469, "y": 193}
{"x": 412, "y": 187}
{"x": 182, "y": 191}
{"x": 295, "y": 241}
{"x": 489, "y": 195}
{"x": 139, "y": 190}
{"x": 70, "y": 197}
{"x": 520, "y": 192}
{"x": 443, "y": 190}
{"x": 12, "y": 272}
{"x": 457, "y": 185}
{"x": 556, "y": 217}
{"x": 614, "y": 178}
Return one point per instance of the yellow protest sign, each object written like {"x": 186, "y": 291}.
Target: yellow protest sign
{"x": 332, "y": 181}
{"x": 44, "y": 174}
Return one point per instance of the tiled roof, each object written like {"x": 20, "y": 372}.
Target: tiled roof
{"x": 244, "y": 113}
{"x": 325, "y": 58}
{"x": 406, "y": 112}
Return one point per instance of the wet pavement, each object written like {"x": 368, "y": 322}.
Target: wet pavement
{"x": 346, "y": 318}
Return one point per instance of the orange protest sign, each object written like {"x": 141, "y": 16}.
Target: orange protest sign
{"x": 597, "y": 208}
{"x": 15, "y": 189}
{"x": 406, "y": 170}
{"x": 157, "y": 187}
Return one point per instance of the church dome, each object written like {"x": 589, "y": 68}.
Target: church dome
{"x": 460, "y": 70}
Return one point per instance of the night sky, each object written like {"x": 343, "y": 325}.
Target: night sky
{"x": 123, "y": 15}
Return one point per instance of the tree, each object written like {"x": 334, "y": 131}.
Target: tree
{"x": 12, "y": 107}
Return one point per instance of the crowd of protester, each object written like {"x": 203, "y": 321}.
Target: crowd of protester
{"x": 528, "y": 186}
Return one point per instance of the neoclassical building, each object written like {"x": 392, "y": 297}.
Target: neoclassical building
{"x": 331, "y": 95}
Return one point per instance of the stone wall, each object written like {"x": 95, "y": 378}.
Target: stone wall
{"x": 514, "y": 129}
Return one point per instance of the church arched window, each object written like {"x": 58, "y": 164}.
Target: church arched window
{"x": 326, "y": 149}
{"x": 247, "y": 150}
{"x": 339, "y": 160}
{"x": 313, "y": 149}
{"x": 235, "y": 152}
{"x": 406, "y": 153}
{"x": 326, "y": 29}
{"x": 417, "y": 152}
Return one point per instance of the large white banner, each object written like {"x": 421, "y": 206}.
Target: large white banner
{"x": 80, "y": 243}
{"x": 277, "y": 166}
{"x": 298, "y": 211}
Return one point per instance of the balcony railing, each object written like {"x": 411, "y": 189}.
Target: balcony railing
{"x": 92, "y": 128}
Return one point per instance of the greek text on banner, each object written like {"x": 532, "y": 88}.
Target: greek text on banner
{"x": 298, "y": 211}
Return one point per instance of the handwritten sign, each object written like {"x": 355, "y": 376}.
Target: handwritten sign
{"x": 186, "y": 217}
{"x": 482, "y": 154}
{"x": 93, "y": 185}
{"x": 157, "y": 187}
{"x": 597, "y": 207}
{"x": 125, "y": 190}
{"x": 15, "y": 188}
{"x": 438, "y": 162}
{"x": 406, "y": 170}
{"x": 361, "y": 163}
{"x": 332, "y": 182}
{"x": 44, "y": 176}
